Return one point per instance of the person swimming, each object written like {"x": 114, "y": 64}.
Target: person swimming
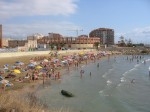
{"x": 133, "y": 81}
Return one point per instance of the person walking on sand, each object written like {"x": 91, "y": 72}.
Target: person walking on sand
{"x": 33, "y": 76}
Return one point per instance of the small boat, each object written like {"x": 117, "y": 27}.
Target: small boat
{"x": 66, "y": 93}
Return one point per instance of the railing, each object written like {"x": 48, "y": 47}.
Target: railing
{"x": 2, "y": 50}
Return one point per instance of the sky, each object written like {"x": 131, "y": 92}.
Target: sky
{"x": 128, "y": 18}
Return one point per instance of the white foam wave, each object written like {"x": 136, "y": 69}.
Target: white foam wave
{"x": 109, "y": 82}
{"x": 100, "y": 92}
{"x": 147, "y": 60}
{"x": 83, "y": 66}
{"x": 136, "y": 65}
{"x": 132, "y": 69}
{"x": 125, "y": 73}
{"x": 122, "y": 79}
{"x": 106, "y": 73}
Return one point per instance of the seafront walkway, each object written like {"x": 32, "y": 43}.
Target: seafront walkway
{"x": 32, "y": 53}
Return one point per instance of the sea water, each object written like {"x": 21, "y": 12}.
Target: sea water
{"x": 117, "y": 85}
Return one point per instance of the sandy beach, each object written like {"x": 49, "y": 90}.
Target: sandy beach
{"x": 26, "y": 60}
{"x": 11, "y": 59}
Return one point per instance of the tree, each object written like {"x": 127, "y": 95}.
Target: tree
{"x": 96, "y": 44}
{"x": 52, "y": 46}
{"x": 122, "y": 42}
{"x": 62, "y": 45}
{"x": 129, "y": 43}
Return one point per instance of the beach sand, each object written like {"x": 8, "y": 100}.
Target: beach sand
{"x": 26, "y": 60}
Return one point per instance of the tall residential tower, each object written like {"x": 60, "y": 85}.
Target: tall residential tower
{"x": 106, "y": 35}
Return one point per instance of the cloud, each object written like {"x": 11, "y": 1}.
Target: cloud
{"x": 12, "y": 8}
{"x": 20, "y": 31}
{"x": 137, "y": 35}
{"x": 31, "y": 11}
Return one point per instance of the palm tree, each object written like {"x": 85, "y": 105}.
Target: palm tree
{"x": 96, "y": 44}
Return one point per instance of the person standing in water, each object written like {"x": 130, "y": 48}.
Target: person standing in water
{"x": 81, "y": 73}
{"x": 133, "y": 81}
{"x": 90, "y": 74}
{"x": 149, "y": 71}
{"x": 144, "y": 61}
{"x": 97, "y": 65}
{"x": 115, "y": 58}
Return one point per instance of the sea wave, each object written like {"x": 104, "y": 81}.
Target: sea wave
{"x": 109, "y": 82}
{"x": 108, "y": 72}
{"x": 122, "y": 79}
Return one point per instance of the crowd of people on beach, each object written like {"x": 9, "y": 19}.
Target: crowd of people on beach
{"x": 43, "y": 68}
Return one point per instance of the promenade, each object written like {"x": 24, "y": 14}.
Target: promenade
{"x": 35, "y": 53}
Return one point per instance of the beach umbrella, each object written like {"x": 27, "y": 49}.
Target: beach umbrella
{"x": 31, "y": 65}
{"x": 13, "y": 67}
{"x": 17, "y": 71}
{"x": 4, "y": 81}
{"x": 81, "y": 53}
{"x": 85, "y": 57}
{"x": 1, "y": 70}
{"x": 5, "y": 68}
{"x": 64, "y": 57}
{"x": 64, "y": 62}
{"x": 38, "y": 67}
{"x": 45, "y": 60}
{"x": 19, "y": 63}
{"x": 35, "y": 63}
{"x": 31, "y": 61}
{"x": 70, "y": 60}
{"x": 6, "y": 65}
{"x": 55, "y": 60}
{"x": 43, "y": 70}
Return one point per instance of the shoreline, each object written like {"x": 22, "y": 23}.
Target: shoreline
{"x": 39, "y": 82}
{"x": 28, "y": 57}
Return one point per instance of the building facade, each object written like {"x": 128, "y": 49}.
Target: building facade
{"x": 69, "y": 42}
{"x": 0, "y": 36}
{"x": 106, "y": 35}
{"x": 32, "y": 41}
{"x": 16, "y": 43}
{"x": 55, "y": 40}
{"x": 5, "y": 42}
